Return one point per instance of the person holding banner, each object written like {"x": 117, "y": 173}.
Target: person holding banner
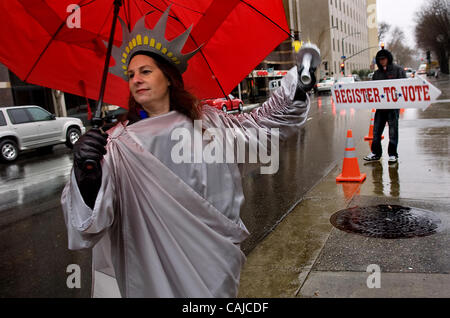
{"x": 387, "y": 70}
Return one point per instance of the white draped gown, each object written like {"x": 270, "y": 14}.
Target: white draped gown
{"x": 165, "y": 229}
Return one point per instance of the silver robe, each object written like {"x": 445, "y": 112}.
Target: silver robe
{"x": 161, "y": 229}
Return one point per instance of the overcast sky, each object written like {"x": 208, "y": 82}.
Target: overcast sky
{"x": 400, "y": 13}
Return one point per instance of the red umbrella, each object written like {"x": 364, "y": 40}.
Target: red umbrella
{"x": 39, "y": 46}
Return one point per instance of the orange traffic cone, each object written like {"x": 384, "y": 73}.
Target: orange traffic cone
{"x": 372, "y": 120}
{"x": 350, "y": 169}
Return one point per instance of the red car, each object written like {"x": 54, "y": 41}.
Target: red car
{"x": 224, "y": 104}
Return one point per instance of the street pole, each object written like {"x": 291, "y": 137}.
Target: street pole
{"x": 59, "y": 102}
{"x": 291, "y": 17}
{"x": 368, "y": 48}
{"x": 343, "y": 52}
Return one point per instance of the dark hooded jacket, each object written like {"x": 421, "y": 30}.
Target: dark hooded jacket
{"x": 392, "y": 71}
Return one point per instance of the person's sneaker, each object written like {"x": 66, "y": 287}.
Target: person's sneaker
{"x": 392, "y": 159}
{"x": 371, "y": 157}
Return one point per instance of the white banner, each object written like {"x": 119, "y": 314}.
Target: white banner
{"x": 389, "y": 94}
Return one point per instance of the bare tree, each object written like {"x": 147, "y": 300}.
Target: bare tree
{"x": 383, "y": 29}
{"x": 433, "y": 30}
{"x": 403, "y": 55}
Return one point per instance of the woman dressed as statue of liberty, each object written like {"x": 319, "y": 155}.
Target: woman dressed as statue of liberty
{"x": 157, "y": 227}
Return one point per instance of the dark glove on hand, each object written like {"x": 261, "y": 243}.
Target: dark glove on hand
{"x": 90, "y": 146}
{"x": 302, "y": 89}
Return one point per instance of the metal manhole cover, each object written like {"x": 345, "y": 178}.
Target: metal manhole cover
{"x": 386, "y": 221}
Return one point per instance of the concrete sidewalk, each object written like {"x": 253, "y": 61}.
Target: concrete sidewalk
{"x": 305, "y": 256}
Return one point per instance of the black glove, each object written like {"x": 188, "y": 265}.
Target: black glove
{"x": 91, "y": 146}
{"x": 302, "y": 89}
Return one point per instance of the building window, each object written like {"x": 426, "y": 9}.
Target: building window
{"x": 334, "y": 48}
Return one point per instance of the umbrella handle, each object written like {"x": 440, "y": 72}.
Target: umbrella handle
{"x": 90, "y": 165}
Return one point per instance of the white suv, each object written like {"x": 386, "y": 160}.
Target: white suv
{"x": 30, "y": 127}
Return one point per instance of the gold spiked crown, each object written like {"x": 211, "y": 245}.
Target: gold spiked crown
{"x": 150, "y": 40}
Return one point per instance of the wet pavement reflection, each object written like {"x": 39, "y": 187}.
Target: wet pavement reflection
{"x": 304, "y": 160}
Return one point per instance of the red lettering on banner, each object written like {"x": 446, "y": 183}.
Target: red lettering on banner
{"x": 344, "y": 100}
{"x": 412, "y": 95}
{"x": 418, "y": 90}
{"x": 426, "y": 89}
{"x": 369, "y": 95}
{"x": 394, "y": 94}
{"x": 372, "y": 94}
{"x": 363, "y": 90}
{"x": 376, "y": 95}
{"x": 338, "y": 97}
{"x": 387, "y": 92}
{"x": 349, "y": 96}
{"x": 358, "y": 97}
{"x": 405, "y": 92}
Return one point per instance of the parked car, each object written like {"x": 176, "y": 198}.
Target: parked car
{"x": 346, "y": 80}
{"x": 422, "y": 69}
{"x": 226, "y": 104}
{"x": 409, "y": 72}
{"x": 324, "y": 85}
{"x": 31, "y": 127}
{"x": 112, "y": 114}
{"x": 433, "y": 72}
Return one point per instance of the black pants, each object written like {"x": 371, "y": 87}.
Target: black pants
{"x": 381, "y": 117}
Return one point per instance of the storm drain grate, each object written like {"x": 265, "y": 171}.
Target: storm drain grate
{"x": 386, "y": 221}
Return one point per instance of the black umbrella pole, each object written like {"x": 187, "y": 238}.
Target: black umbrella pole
{"x": 97, "y": 120}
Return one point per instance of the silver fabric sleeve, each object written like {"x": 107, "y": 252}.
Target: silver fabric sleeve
{"x": 278, "y": 118}
{"x": 86, "y": 226}
{"x": 279, "y": 111}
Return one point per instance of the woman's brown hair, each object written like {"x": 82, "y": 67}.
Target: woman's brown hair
{"x": 180, "y": 99}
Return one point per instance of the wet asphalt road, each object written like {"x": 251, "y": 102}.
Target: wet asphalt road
{"x": 33, "y": 240}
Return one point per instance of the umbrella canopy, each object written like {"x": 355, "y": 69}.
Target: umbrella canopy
{"x": 45, "y": 43}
